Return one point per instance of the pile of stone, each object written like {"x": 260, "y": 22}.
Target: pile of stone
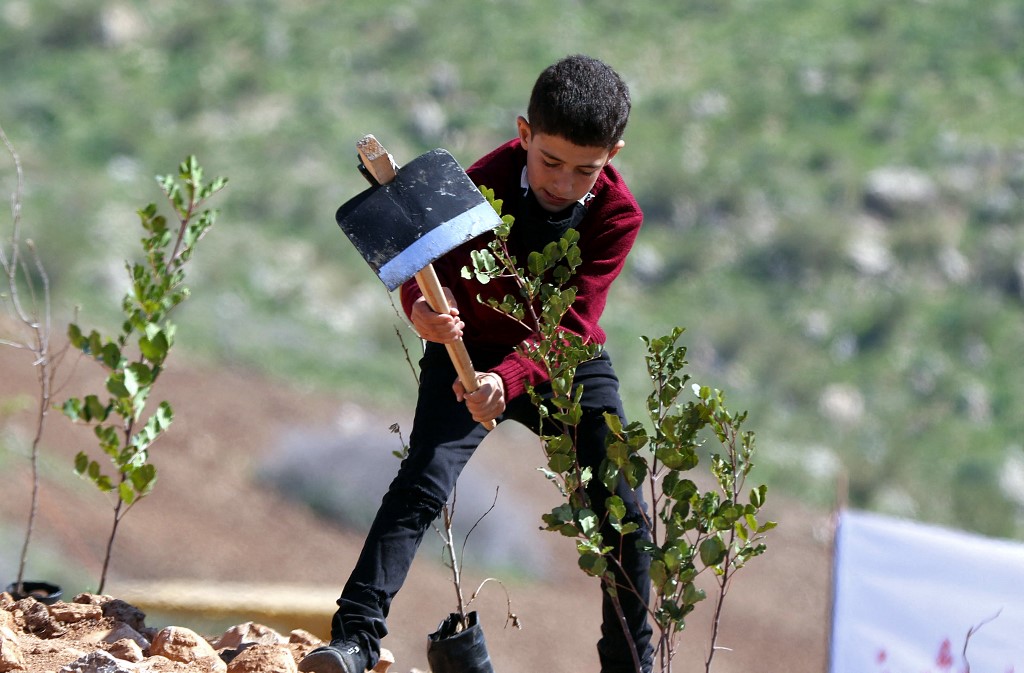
{"x": 102, "y": 634}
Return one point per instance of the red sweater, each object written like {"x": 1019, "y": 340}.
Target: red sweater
{"x": 607, "y": 232}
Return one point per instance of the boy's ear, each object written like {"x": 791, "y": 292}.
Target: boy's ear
{"x": 615, "y": 149}
{"x": 523, "y": 127}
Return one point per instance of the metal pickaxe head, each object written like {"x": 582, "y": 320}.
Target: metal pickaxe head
{"x": 427, "y": 210}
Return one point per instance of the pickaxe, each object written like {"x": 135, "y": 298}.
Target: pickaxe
{"x": 410, "y": 218}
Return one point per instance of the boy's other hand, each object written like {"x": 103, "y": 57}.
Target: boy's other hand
{"x": 442, "y": 328}
{"x": 485, "y": 403}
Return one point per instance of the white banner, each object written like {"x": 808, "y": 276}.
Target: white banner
{"x": 908, "y": 598}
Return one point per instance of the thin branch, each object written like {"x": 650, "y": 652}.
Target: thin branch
{"x": 511, "y": 616}
{"x": 462, "y": 552}
{"x": 970, "y": 632}
{"x": 448, "y": 514}
{"x": 401, "y": 340}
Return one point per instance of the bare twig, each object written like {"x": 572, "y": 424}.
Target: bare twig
{"x": 401, "y": 341}
{"x": 511, "y": 617}
{"x": 494, "y": 502}
{"x": 970, "y": 632}
{"x": 448, "y": 537}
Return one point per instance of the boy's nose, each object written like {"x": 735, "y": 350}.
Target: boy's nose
{"x": 563, "y": 185}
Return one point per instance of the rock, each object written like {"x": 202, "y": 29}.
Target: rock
{"x": 125, "y": 632}
{"x": 126, "y": 613}
{"x": 90, "y": 599}
{"x": 263, "y": 658}
{"x": 868, "y": 248}
{"x": 386, "y": 660}
{"x": 127, "y": 650}
{"x": 96, "y": 662}
{"x": 249, "y": 632}
{"x": 180, "y": 644}
{"x": 37, "y": 618}
{"x": 69, "y": 613}
{"x": 303, "y": 637}
{"x": 11, "y": 658}
{"x": 895, "y": 191}
{"x": 842, "y": 403}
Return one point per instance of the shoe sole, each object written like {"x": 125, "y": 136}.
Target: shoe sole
{"x": 325, "y": 661}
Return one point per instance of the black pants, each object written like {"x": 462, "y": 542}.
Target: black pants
{"x": 443, "y": 438}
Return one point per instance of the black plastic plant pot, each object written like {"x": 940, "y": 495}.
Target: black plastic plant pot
{"x": 44, "y": 592}
{"x": 452, "y": 651}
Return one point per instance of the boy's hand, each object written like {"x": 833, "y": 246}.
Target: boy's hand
{"x": 442, "y": 328}
{"x": 485, "y": 403}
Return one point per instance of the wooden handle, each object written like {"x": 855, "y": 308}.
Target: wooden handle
{"x": 430, "y": 286}
{"x": 376, "y": 159}
{"x": 381, "y": 165}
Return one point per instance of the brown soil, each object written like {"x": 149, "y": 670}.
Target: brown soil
{"x": 210, "y": 522}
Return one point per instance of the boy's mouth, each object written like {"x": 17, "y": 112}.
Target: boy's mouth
{"x": 555, "y": 202}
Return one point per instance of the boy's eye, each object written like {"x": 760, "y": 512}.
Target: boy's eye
{"x": 551, "y": 164}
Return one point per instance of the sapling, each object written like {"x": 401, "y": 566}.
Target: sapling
{"x": 692, "y": 531}
{"x": 452, "y": 553}
{"x": 135, "y": 357}
{"x": 32, "y": 319}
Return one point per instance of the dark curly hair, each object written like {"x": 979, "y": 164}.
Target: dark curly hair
{"x": 581, "y": 99}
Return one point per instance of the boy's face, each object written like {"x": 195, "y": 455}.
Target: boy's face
{"x": 558, "y": 171}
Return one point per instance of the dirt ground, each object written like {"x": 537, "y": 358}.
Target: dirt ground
{"x": 210, "y": 524}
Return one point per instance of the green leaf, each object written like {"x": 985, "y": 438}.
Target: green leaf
{"x": 72, "y": 409}
{"x": 712, "y": 551}
{"x": 536, "y": 263}
{"x": 126, "y": 493}
{"x": 692, "y": 595}
{"x": 142, "y": 375}
{"x": 75, "y": 336}
{"x": 94, "y": 345}
{"x": 659, "y": 574}
{"x": 144, "y": 478}
{"x": 103, "y": 483}
{"x": 109, "y": 440}
{"x": 130, "y": 381}
{"x": 616, "y": 507}
{"x": 154, "y": 348}
{"x": 593, "y": 564}
{"x": 164, "y": 415}
{"x": 110, "y": 355}
{"x": 561, "y": 462}
{"x": 116, "y": 386}
{"x": 614, "y": 423}
{"x": 757, "y": 495}
{"x": 588, "y": 522}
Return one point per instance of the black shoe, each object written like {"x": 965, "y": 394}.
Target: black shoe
{"x": 338, "y": 657}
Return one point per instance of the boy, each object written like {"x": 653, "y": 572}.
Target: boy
{"x": 554, "y": 175}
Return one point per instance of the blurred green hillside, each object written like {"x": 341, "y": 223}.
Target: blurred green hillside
{"x": 834, "y": 197}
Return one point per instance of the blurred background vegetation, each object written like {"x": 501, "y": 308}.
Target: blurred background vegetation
{"x": 834, "y": 196}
